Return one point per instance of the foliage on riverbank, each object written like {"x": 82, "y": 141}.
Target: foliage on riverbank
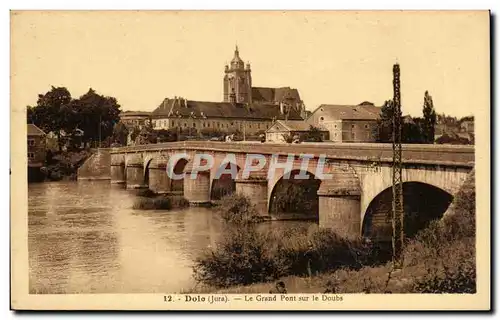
{"x": 151, "y": 201}
{"x": 440, "y": 259}
{"x": 245, "y": 255}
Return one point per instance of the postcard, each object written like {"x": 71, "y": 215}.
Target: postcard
{"x": 250, "y": 160}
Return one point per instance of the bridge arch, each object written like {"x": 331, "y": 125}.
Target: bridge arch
{"x": 423, "y": 203}
{"x": 293, "y": 194}
{"x": 223, "y": 183}
{"x": 177, "y": 185}
{"x": 448, "y": 179}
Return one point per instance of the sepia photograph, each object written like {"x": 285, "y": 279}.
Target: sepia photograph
{"x": 250, "y": 160}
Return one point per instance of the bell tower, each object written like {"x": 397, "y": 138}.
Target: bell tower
{"x": 238, "y": 80}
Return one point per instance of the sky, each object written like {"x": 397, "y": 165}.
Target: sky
{"x": 330, "y": 57}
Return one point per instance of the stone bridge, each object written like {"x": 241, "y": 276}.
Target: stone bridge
{"x": 354, "y": 201}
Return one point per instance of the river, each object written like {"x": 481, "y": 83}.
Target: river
{"x": 84, "y": 237}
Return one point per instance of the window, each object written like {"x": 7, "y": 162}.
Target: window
{"x": 321, "y": 118}
{"x": 208, "y": 124}
{"x": 194, "y": 124}
{"x": 173, "y": 123}
{"x": 335, "y": 126}
{"x": 258, "y": 125}
{"x": 367, "y": 126}
{"x": 232, "y": 123}
{"x": 353, "y": 136}
{"x": 31, "y": 155}
{"x": 31, "y": 142}
{"x": 204, "y": 124}
{"x": 353, "y": 126}
{"x": 185, "y": 124}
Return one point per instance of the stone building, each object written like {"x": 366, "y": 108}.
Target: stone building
{"x": 292, "y": 128}
{"x": 347, "y": 123}
{"x": 244, "y": 108}
{"x": 36, "y": 146}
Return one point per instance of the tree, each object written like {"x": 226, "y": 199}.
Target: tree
{"x": 429, "y": 121}
{"x": 97, "y": 115}
{"x": 314, "y": 134}
{"x": 412, "y": 131}
{"x": 53, "y": 112}
{"x": 384, "y": 124}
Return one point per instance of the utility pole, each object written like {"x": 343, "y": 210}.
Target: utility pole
{"x": 397, "y": 177}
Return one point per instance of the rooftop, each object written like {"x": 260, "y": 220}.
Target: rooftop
{"x": 294, "y": 125}
{"x": 274, "y": 94}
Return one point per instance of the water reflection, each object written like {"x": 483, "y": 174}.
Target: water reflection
{"x": 85, "y": 238}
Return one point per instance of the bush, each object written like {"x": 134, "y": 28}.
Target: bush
{"x": 237, "y": 210}
{"x": 147, "y": 193}
{"x": 452, "y": 270}
{"x": 161, "y": 202}
{"x": 179, "y": 202}
{"x": 291, "y": 197}
{"x": 240, "y": 258}
{"x": 246, "y": 255}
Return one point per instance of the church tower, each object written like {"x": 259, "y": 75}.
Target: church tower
{"x": 238, "y": 80}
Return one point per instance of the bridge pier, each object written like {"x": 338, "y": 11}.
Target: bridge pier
{"x": 255, "y": 189}
{"x": 135, "y": 173}
{"x": 340, "y": 205}
{"x": 159, "y": 181}
{"x": 197, "y": 191}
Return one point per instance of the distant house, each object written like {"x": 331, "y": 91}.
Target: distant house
{"x": 347, "y": 123}
{"x": 226, "y": 117}
{"x": 36, "y": 146}
{"x": 36, "y": 152}
{"x": 278, "y": 132}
